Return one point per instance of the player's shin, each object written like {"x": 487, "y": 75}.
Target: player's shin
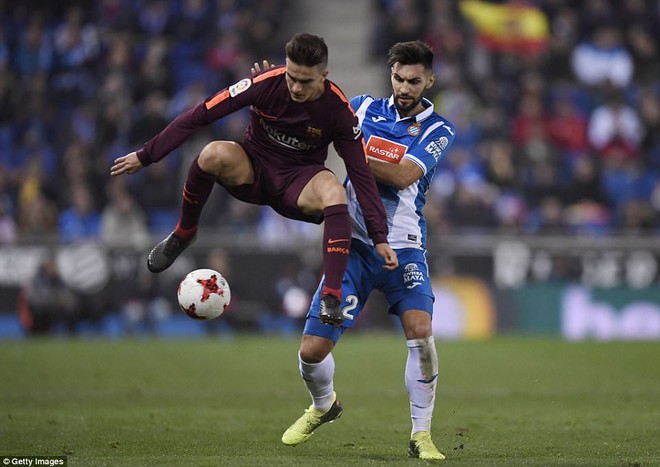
{"x": 336, "y": 246}
{"x": 325, "y": 407}
{"x": 319, "y": 379}
{"x": 196, "y": 192}
{"x": 421, "y": 379}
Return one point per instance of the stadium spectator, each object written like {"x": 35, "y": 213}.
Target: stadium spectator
{"x": 8, "y": 227}
{"x": 564, "y": 24}
{"x": 158, "y": 203}
{"x": 152, "y": 120}
{"x": 649, "y": 109}
{"x": 34, "y": 53}
{"x": 594, "y": 13}
{"x": 80, "y": 168}
{"x": 123, "y": 222}
{"x": 155, "y": 18}
{"x": 37, "y": 214}
{"x": 603, "y": 60}
{"x": 469, "y": 199}
{"x": 615, "y": 130}
{"x": 47, "y": 302}
{"x": 644, "y": 51}
{"x": 584, "y": 183}
{"x": 80, "y": 220}
{"x": 548, "y": 218}
{"x": 587, "y": 207}
{"x": 76, "y": 51}
{"x": 567, "y": 127}
{"x": 38, "y": 217}
{"x": 637, "y": 217}
{"x": 459, "y": 104}
{"x": 501, "y": 170}
{"x": 529, "y": 130}
{"x": 154, "y": 74}
{"x": 8, "y": 105}
{"x": 626, "y": 181}
{"x": 542, "y": 181}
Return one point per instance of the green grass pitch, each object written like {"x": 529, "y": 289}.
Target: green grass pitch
{"x": 506, "y": 401}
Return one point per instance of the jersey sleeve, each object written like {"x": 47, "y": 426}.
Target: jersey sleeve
{"x": 174, "y": 134}
{"x": 246, "y": 92}
{"x": 350, "y": 147}
{"x": 357, "y": 101}
{"x": 432, "y": 146}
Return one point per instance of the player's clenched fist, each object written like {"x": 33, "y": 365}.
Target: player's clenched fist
{"x": 128, "y": 164}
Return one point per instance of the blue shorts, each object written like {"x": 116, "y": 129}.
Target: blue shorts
{"x": 406, "y": 288}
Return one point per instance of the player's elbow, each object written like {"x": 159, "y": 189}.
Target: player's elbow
{"x": 401, "y": 181}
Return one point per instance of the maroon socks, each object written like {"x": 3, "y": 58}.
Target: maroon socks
{"x": 196, "y": 192}
{"x": 336, "y": 247}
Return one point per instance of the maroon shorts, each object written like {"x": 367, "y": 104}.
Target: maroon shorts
{"x": 278, "y": 187}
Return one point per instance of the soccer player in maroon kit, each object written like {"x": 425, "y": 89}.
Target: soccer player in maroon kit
{"x": 295, "y": 113}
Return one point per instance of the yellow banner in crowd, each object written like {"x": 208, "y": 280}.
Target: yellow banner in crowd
{"x": 510, "y": 27}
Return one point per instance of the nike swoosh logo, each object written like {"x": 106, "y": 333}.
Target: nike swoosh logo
{"x": 378, "y": 119}
{"x": 413, "y": 285}
{"x": 430, "y": 380}
{"x": 337, "y": 240}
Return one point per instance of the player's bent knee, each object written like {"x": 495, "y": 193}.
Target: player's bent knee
{"x": 312, "y": 355}
{"x": 210, "y": 157}
{"x": 218, "y": 156}
{"x": 314, "y": 349}
{"x": 334, "y": 193}
{"x": 417, "y": 324}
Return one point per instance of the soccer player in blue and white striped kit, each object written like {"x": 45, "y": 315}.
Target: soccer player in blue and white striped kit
{"x": 404, "y": 140}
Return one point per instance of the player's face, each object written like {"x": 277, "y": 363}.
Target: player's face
{"x": 409, "y": 82}
{"x": 305, "y": 83}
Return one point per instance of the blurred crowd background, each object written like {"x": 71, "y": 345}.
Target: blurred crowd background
{"x": 83, "y": 82}
{"x": 556, "y": 105}
{"x": 557, "y": 111}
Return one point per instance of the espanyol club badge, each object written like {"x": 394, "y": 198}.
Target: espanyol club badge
{"x": 413, "y": 130}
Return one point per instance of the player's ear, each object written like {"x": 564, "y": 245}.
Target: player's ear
{"x": 431, "y": 81}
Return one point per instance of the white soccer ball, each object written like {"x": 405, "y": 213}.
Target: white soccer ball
{"x": 204, "y": 294}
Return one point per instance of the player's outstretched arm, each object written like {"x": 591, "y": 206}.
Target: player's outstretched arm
{"x": 389, "y": 255}
{"x": 128, "y": 164}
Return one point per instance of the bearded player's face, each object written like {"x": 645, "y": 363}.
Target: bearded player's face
{"x": 409, "y": 82}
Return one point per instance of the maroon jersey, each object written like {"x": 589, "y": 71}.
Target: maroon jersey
{"x": 290, "y": 133}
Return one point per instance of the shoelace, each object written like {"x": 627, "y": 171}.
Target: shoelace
{"x": 311, "y": 422}
{"x": 425, "y": 443}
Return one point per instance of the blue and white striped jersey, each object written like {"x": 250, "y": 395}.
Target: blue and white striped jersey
{"x": 423, "y": 139}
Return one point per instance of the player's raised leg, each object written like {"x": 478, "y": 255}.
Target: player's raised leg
{"x": 326, "y": 194}
{"x": 219, "y": 159}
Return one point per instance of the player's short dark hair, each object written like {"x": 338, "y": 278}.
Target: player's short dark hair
{"x": 411, "y": 53}
{"x": 307, "y": 50}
